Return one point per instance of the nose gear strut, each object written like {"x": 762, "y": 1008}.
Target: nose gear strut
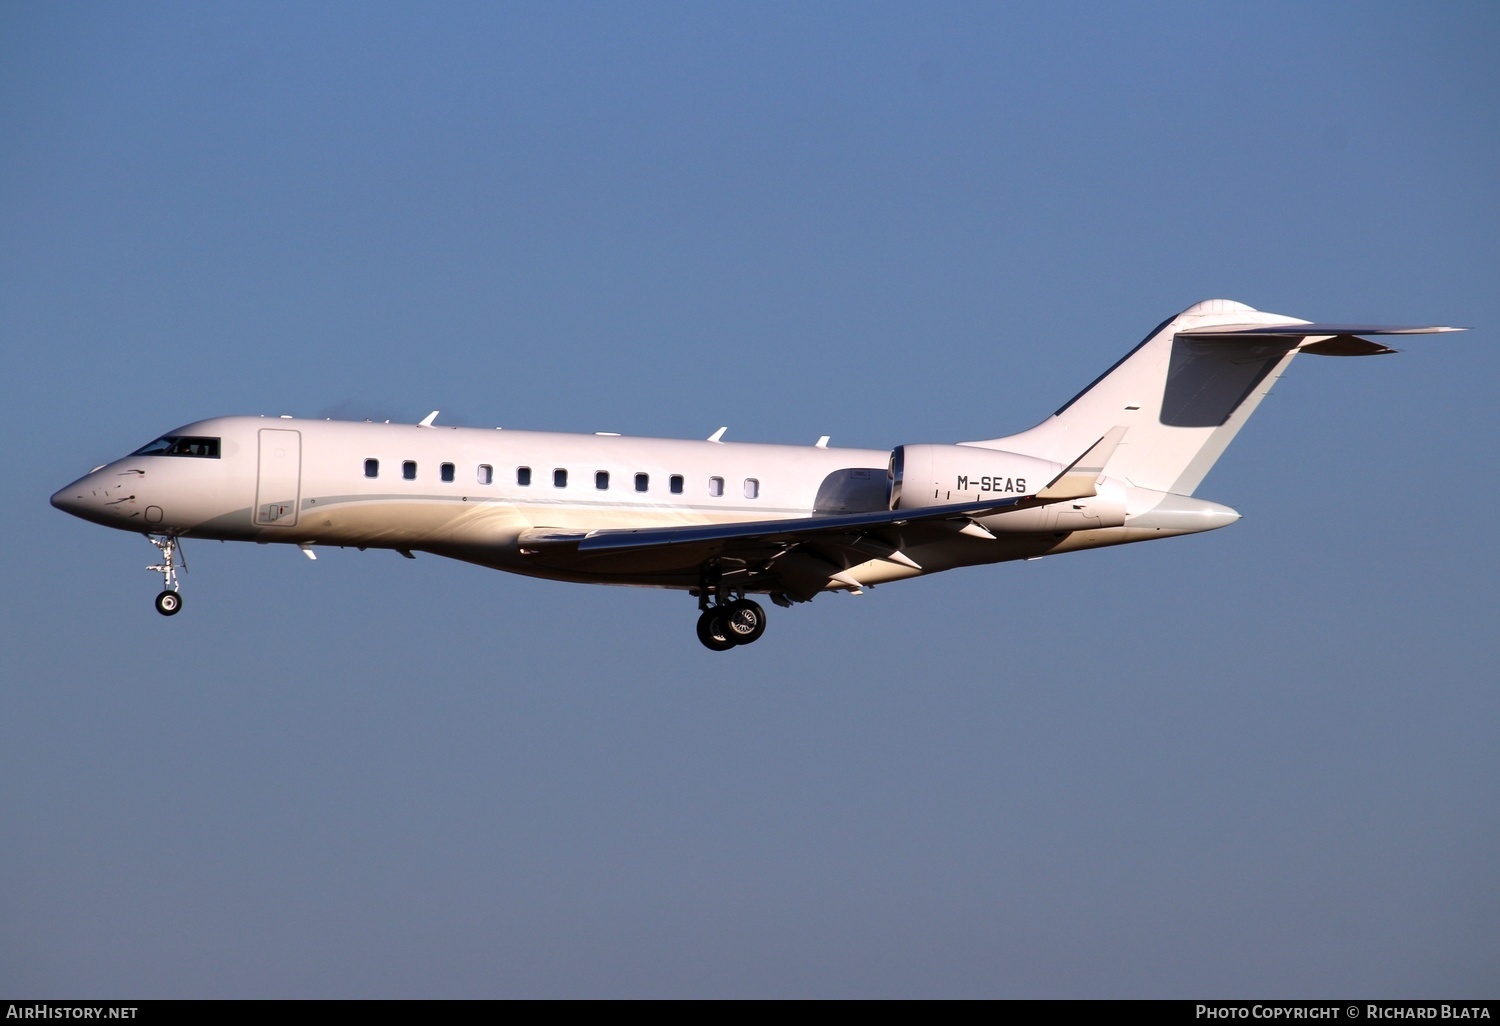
{"x": 170, "y": 599}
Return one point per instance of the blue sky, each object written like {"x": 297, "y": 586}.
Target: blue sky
{"x": 1257, "y": 762}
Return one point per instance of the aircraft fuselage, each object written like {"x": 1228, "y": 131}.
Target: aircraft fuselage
{"x": 1117, "y": 463}
{"x": 474, "y": 494}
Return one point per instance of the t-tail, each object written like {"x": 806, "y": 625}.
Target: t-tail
{"x": 1176, "y": 401}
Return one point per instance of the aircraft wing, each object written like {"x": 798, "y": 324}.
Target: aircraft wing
{"x": 802, "y": 555}
{"x": 798, "y": 556}
{"x": 769, "y": 532}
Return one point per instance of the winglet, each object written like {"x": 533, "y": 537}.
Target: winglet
{"x": 427, "y": 420}
{"x": 718, "y": 436}
{"x": 1081, "y": 479}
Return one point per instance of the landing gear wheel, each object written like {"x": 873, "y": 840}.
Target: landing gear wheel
{"x": 169, "y": 601}
{"x": 713, "y": 632}
{"x": 744, "y": 621}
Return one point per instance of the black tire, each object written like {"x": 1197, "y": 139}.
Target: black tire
{"x": 711, "y": 631}
{"x": 168, "y": 603}
{"x": 744, "y": 621}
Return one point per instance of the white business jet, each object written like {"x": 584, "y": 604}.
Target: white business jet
{"x": 722, "y": 520}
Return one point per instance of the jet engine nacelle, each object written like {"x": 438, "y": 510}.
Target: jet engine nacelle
{"x": 940, "y": 475}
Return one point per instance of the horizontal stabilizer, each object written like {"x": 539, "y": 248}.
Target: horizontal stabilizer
{"x": 1317, "y": 339}
{"x": 1344, "y": 345}
{"x": 1309, "y": 328}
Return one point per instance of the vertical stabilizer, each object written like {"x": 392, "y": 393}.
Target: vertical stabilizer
{"x": 1184, "y": 393}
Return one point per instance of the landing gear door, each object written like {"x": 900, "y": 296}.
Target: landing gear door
{"x": 278, "y": 482}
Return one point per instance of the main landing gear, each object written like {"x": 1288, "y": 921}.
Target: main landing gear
{"x": 170, "y": 600}
{"x": 723, "y": 626}
{"x": 726, "y": 618}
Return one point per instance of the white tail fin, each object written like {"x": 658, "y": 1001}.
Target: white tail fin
{"x": 1184, "y": 393}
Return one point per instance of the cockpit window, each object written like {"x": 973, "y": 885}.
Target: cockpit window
{"x": 181, "y": 445}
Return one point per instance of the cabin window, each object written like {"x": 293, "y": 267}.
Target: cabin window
{"x": 486, "y": 473}
{"x": 446, "y": 472}
{"x": 372, "y": 468}
{"x": 601, "y": 480}
{"x": 559, "y": 478}
{"x": 716, "y": 486}
{"x": 675, "y": 483}
{"x": 523, "y": 476}
{"x": 752, "y": 488}
{"x": 409, "y": 470}
{"x": 642, "y": 482}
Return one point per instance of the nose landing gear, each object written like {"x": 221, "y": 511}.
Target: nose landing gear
{"x": 169, "y": 602}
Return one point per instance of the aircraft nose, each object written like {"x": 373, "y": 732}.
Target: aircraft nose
{"x": 91, "y": 498}
{"x": 71, "y": 498}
